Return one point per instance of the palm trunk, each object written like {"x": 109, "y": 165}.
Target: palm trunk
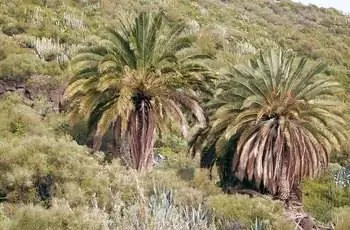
{"x": 296, "y": 194}
{"x": 97, "y": 142}
{"x": 284, "y": 183}
{"x": 142, "y": 135}
{"x": 117, "y": 138}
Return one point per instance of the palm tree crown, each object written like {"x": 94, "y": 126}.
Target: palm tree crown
{"x": 138, "y": 79}
{"x": 287, "y": 118}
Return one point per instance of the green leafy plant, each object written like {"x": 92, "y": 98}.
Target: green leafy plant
{"x": 323, "y": 196}
{"x": 246, "y": 210}
{"x": 20, "y": 67}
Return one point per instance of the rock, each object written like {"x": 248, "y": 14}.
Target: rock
{"x": 2, "y": 89}
{"x": 193, "y": 26}
{"x": 158, "y": 159}
{"x": 203, "y": 11}
{"x": 20, "y": 85}
{"x": 52, "y": 95}
{"x": 307, "y": 223}
{"x": 28, "y": 94}
{"x": 10, "y": 86}
{"x": 21, "y": 91}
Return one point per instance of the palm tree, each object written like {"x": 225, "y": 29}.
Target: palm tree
{"x": 276, "y": 120}
{"x": 139, "y": 79}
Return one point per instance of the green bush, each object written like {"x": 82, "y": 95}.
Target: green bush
{"x": 59, "y": 124}
{"x": 80, "y": 132}
{"x": 156, "y": 212}
{"x": 8, "y": 46}
{"x": 201, "y": 182}
{"x": 171, "y": 142}
{"x": 19, "y": 67}
{"x": 341, "y": 218}
{"x": 18, "y": 119}
{"x": 186, "y": 191}
{"x": 164, "y": 180}
{"x": 33, "y": 158}
{"x": 160, "y": 212}
{"x": 57, "y": 218}
{"x": 26, "y": 161}
{"x": 12, "y": 29}
{"x": 36, "y": 169}
{"x": 245, "y": 210}
{"x": 3, "y": 218}
{"x": 322, "y": 196}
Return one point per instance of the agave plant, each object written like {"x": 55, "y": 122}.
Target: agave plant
{"x": 139, "y": 79}
{"x": 277, "y": 119}
{"x": 342, "y": 177}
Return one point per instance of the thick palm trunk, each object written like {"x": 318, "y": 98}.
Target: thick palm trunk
{"x": 117, "y": 138}
{"x": 142, "y": 137}
{"x": 283, "y": 183}
{"x": 296, "y": 195}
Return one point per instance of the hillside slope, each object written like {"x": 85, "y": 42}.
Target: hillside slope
{"x": 48, "y": 180}
{"x": 228, "y": 28}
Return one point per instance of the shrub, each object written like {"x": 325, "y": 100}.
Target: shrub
{"x": 201, "y": 182}
{"x": 127, "y": 184}
{"x": 8, "y": 46}
{"x": 3, "y": 218}
{"x": 178, "y": 161}
{"x": 316, "y": 200}
{"x": 187, "y": 196}
{"x": 20, "y": 66}
{"x": 245, "y": 210}
{"x": 13, "y": 29}
{"x": 27, "y": 161}
{"x": 80, "y": 132}
{"x": 157, "y": 212}
{"x": 173, "y": 142}
{"x": 58, "y": 124}
{"x": 37, "y": 169}
{"x": 164, "y": 180}
{"x": 18, "y": 119}
{"x": 169, "y": 180}
{"x": 57, "y": 218}
{"x": 35, "y": 165}
{"x": 160, "y": 212}
{"x": 341, "y": 218}
{"x": 322, "y": 196}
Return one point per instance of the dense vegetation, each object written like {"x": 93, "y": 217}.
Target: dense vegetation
{"x": 226, "y": 77}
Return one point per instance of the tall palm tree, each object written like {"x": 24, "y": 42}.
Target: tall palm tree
{"x": 277, "y": 120}
{"x": 139, "y": 79}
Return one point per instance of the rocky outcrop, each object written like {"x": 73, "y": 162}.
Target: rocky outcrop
{"x": 53, "y": 95}
{"x": 15, "y": 86}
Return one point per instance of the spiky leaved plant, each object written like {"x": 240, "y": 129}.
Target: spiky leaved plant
{"x": 277, "y": 119}
{"x": 139, "y": 79}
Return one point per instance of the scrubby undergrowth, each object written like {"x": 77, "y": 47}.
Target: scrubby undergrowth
{"x": 48, "y": 181}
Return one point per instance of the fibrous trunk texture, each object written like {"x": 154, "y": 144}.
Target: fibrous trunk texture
{"x": 276, "y": 158}
{"x": 117, "y": 138}
{"x": 142, "y": 132}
